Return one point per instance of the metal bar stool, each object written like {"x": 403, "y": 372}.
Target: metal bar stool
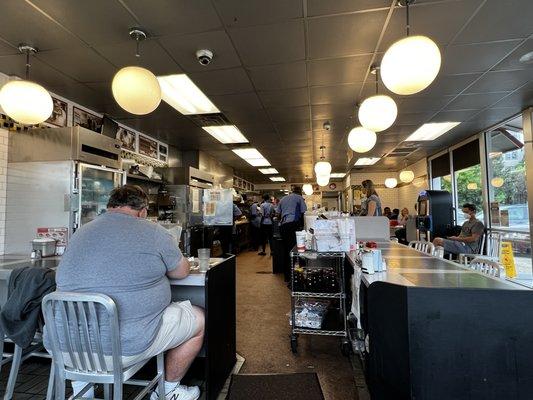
{"x": 424, "y": 247}
{"x": 74, "y": 323}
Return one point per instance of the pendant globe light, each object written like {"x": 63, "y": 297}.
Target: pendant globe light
{"x": 307, "y": 188}
{"x": 407, "y": 175}
{"x": 410, "y": 64}
{"x": 322, "y": 180}
{"x": 24, "y": 101}
{"x": 497, "y": 182}
{"x": 361, "y": 139}
{"x": 391, "y": 182}
{"x": 322, "y": 167}
{"x": 378, "y": 112}
{"x": 136, "y": 89}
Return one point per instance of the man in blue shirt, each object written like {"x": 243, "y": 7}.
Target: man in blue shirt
{"x": 291, "y": 209}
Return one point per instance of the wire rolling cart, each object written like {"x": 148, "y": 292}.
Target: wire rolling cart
{"x": 319, "y": 277}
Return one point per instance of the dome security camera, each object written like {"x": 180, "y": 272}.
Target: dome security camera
{"x": 204, "y": 56}
{"x": 326, "y": 125}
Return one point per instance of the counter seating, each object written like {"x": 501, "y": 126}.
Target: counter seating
{"x": 490, "y": 248}
{"x": 86, "y": 360}
{"x": 486, "y": 266}
{"x": 422, "y": 246}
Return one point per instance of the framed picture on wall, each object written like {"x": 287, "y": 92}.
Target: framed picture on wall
{"x": 59, "y": 115}
{"x": 128, "y": 139}
{"x": 147, "y": 146}
{"x": 86, "y": 119}
{"x": 163, "y": 152}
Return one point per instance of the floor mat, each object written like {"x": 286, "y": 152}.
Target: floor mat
{"x": 299, "y": 386}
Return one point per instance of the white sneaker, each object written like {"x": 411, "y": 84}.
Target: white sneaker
{"x": 180, "y": 392}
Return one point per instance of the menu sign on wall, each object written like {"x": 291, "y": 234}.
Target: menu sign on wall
{"x": 147, "y": 146}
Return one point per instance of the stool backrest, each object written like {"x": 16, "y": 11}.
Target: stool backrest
{"x": 438, "y": 252}
{"x": 420, "y": 245}
{"x": 73, "y": 323}
{"x": 493, "y": 243}
{"x": 486, "y": 266}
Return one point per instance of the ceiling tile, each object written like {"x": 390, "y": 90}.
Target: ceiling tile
{"x": 499, "y": 20}
{"x": 225, "y": 81}
{"x": 339, "y": 125}
{"x": 81, "y": 94}
{"x": 256, "y": 12}
{"x": 501, "y": 81}
{"x": 519, "y": 99}
{"x": 153, "y": 57}
{"x": 416, "y": 118}
{"x": 349, "y": 34}
{"x": 340, "y": 94}
{"x": 338, "y": 70}
{"x": 452, "y": 15}
{"x": 415, "y": 103}
{"x": 80, "y": 63}
{"x": 288, "y": 114}
{"x": 282, "y": 76}
{"x": 472, "y": 58}
{"x": 270, "y": 44}
{"x": 248, "y": 116}
{"x": 237, "y": 102}
{"x": 321, "y": 7}
{"x": 285, "y": 97}
{"x": 39, "y": 72}
{"x": 332, "y": 111}
{"x": 22, "y": 23}
{"x": 446, "y": 85}
{"x": 96, "y": 22}
{"x": 451, "y": 116}
{"x": 475, "y": 101}
{"x": 292, "y": 129}
{"x": 183, "y": 49}
{"x": 513, "y": 60}
{"x": 167, "y": 17}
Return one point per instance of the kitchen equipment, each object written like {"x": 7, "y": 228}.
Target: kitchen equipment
{"x": 45, "y": 247}
{"x": 58, "y": 177}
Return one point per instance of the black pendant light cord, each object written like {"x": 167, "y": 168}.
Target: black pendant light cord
{"x": 407, "y": 14}
{"x": 377, "y": 79}
{"x": 137, "y": 52}
{"x": 28, "y": 64}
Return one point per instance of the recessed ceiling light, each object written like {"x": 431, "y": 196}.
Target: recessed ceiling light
{"x": 268, "y": 171}
{"x": 431, "y": 131}
{"x": 182, "y": 94}
{"x": 252, "y": 157}
{"x": 226, "y": 134}
{"x": 367, "y": 161}
{"x": 337, "y": 175}
{"x": 277, "y": 179}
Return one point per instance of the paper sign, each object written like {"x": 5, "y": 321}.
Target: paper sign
{"x": 495, "y": 213}
{"x": 507, "y": 259}
{"x": 210, "y": 208}
{"x": 504, "y": 218}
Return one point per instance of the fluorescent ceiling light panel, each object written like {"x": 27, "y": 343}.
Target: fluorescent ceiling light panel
{"x": 337, "y": 175}
{"x": 182, "y": 94}
{"x": 268, "y": 171}
{"x": 252, "y": 157}
{"x": 367, "y": 161}
{"x": 277, "y": 179}
{"x": 431, "y": 131}
{"x": 226, "y": 134}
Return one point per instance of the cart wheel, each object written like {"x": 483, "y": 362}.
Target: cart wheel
{"x": 346, "y": 348}
{"x": 294, "y": 344}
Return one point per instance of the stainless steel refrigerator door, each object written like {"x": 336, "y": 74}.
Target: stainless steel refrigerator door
{"x": 38, "y": 196}
{"x": 94, "y": 185}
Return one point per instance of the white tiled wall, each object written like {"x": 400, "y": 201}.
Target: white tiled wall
{"x": 3, "y": 181}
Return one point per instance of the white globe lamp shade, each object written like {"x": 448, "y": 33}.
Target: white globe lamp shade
{"x": 26, "y": 102}
{"x": 136, "y": 90}
{"x": 307, "y": 189}
{"x": 378, "y": 113}
{"x": 497, "y": 182}
{"x": 472, "y": 186}
{"x": 407, "y": 176}
{"x": 322, "y": 180}
{"x": 410, "y": 65}
{"x": 391, "y": 182}
{"x": 361, "y": 139}
{"x": 323, "y": 168}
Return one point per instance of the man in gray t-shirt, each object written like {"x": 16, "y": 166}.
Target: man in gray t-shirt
{"x": 130, "y": 259}
{"x": 468, "y": 241}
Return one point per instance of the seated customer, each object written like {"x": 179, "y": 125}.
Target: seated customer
{"x": 468, "y": 240}
{"x": 130, "y": 259}
{"x": 387, "y": 212}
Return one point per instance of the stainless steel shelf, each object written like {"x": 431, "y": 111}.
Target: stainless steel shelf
{"x": 309, "y": 331}
{"x": 319, "y": 295}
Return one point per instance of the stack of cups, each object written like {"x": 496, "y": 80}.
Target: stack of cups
{"x": 203, "y": 259}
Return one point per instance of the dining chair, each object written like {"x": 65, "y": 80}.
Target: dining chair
{"x": 422, "y": 246}
{"x": 486, "y": 266}
{"x": 74, "y": 324}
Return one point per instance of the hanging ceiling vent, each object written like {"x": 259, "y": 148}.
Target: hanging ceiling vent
{"x": 401, "y": 152}
{"x": 216, "y": 119}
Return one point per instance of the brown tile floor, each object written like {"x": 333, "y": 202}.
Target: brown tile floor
{"x": 262, "y": 339}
